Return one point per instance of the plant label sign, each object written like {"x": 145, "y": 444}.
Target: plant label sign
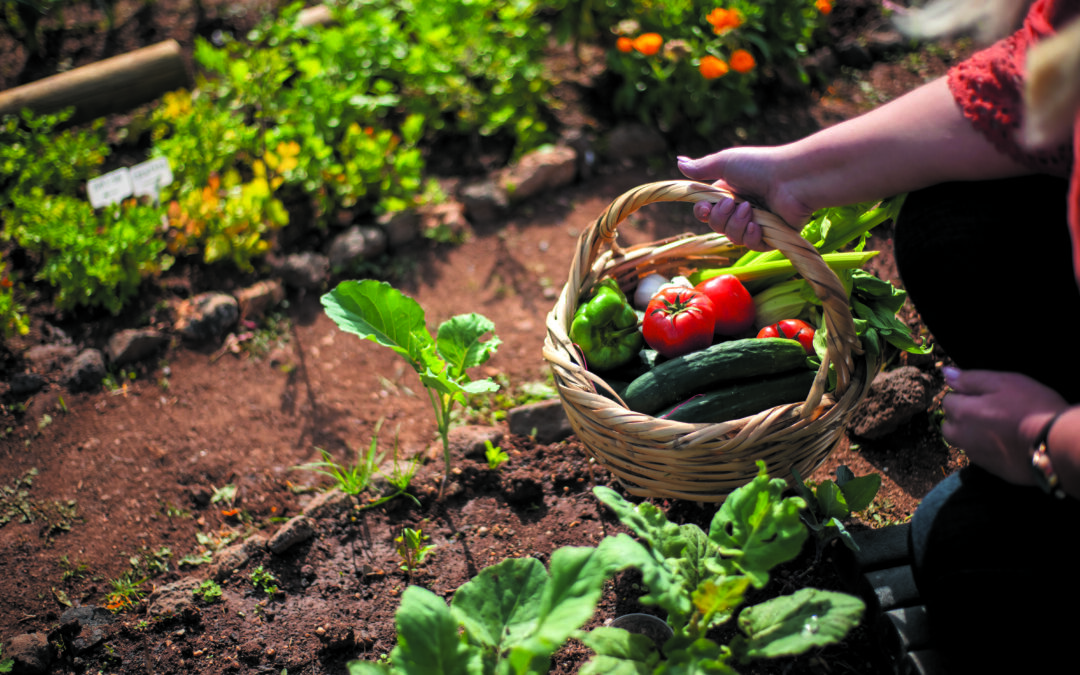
{"x": 146, "y": 178}
{"x": 149, "y": 177}
{"x": 109, "y": 188}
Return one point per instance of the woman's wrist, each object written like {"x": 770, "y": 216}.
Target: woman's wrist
{"x": 1053, "y": 453}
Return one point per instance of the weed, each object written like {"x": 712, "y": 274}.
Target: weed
{"x": 6, "y": 665}
{"x": 72, "y": 571}
{"x": 411, "y": 549}
{"x": 125, "y": 593}
{"x": 16, "y": 505}
{"x": 495, "y": 455}
{"x": 264, "y": 581}
{"x": 208, "y": 591}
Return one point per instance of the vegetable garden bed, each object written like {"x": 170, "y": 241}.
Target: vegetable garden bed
{"x": 196, "y": 452}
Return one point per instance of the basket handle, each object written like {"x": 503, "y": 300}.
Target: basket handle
{"x": 842, "y": 341}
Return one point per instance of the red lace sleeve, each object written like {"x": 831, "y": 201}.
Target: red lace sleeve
{"x": 989, "y": 89}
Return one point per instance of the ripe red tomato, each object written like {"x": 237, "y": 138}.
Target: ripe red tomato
{"x": 792, "y": 329}
{"x": 678, "y": 321}
{"x": 732, "y": 304}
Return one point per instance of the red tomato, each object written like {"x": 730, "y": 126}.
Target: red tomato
{"x": 678, "y": 321}
{"x": 792, "y": 329}
{"x": 732, "y": 304}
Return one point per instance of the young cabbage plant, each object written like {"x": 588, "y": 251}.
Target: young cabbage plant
{"x": 513, "y": 616}
{"x": 829, "y": 502}
{"x": 379, "y": 312}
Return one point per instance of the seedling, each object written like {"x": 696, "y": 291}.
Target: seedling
{"x": 125, "y": 594}
{"x": 830, "y": 502}
{"x": 6, "y": 665}
{"x": 354, "y": 479}
{"x": 378, "y": 312}
{"x": 411, "y": 548}
{"x": 496, "y": 456}
{"x": 264, "y": 581}
{"x": 208, "y": 591}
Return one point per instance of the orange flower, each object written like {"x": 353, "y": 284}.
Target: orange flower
{"x": 624, "y": 45}
{"x": 723, "y": 20}
{"x": 824, "y": 6}
{"x": 712, "y": 67}
{"x": 648, "y": 43}
{"x": 742, "y": 61}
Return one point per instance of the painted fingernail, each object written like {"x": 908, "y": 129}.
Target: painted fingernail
{"x": 951, "y": 373}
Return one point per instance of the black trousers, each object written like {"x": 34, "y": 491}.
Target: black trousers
{"x": 989, "y": 267}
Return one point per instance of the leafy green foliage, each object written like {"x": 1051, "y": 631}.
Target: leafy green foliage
{"x": 704, "y": 66}
{"x": 411, "y": 548}
{"x": 514, "y": 615}
{"x": 495, "y": 455}
{"x": 355, "y": 479}
{"x": 378, "y": 312}
{"x": 208, "y": 591}
{"x": 831, "y": 502}
{"x": 264, "y": 581}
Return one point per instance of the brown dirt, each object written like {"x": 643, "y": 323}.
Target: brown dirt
{"x": 126, "y": 474}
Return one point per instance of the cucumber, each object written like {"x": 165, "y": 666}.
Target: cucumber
{"x": 739, "y": 399}
{"x": 679, "y": 378}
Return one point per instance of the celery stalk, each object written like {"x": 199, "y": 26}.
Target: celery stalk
{"x": 782, "y": 268}
{"x": 833, "y": 228}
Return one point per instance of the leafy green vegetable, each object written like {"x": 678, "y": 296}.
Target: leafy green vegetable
{"x": 378, "y": 312}
{"x": 830, "y": 502}
{"x": 514, "y": 615}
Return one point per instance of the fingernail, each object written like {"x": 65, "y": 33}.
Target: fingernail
{"x": 726, "y": 206}
{"x": 681, "y": 159}
{"x": 743, "y": 209}
{"x": 951, "y": 373}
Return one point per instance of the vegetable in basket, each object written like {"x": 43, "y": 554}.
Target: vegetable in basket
{"x": 679, "y": 321}
{"x": 792, "y": 329}
{"x": 733, "y": 306}
{"x": 606, "y": 328}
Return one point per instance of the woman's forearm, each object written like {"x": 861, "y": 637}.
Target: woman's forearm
{"x": 915, "y": 141}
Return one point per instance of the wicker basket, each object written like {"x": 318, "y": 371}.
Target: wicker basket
{"x": 654, "y": 457}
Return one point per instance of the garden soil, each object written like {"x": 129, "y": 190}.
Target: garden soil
{"x": 127, "y": 481}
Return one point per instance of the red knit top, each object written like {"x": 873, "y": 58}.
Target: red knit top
{"x": 989, "y": 89}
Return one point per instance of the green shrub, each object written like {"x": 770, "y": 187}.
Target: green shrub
{"x": 701, "y": 64}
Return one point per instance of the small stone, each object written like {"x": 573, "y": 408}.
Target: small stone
{"x": 29, "y": 653}
{"x": 355, "y": 245}
{"x": 86, "y": 371}
{"x": 206, "y": 317}
{"x": 296, "y": 530}
{"x": 134, "y": 345}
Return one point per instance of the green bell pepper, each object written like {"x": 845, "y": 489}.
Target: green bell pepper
{"x": 606, "y": 328}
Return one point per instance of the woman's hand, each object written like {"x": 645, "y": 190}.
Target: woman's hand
{"x": 752, "y": 174}
{"x": 995, "y": 418}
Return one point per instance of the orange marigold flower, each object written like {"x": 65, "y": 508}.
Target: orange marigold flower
{"x": 624, "y": 45}
{"x": 742, "y": 61}
{"x": 648, "y": 43}
{"x": 723, "y": 20}
{"x": 712, "y": 67}
{"x": 824, "y": 6}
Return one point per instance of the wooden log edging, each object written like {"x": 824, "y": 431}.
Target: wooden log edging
{"x": 113, "y": 85}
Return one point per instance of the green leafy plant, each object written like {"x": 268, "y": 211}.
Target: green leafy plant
{"x": 829, "y": 503}
{"x": 700, "y": 64}
{"x": 126, "y": 592}
{"x": 209, "y": 591}
{"x": 264, "y": 581}
{"x": 495, "y": 455}
{"x": 378, "y": 312}
{"x": 411, "y": 548}
{"x": 515, "y": 614}
{"x": 6, "y": 665}
{"x": 357, "y": 478}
